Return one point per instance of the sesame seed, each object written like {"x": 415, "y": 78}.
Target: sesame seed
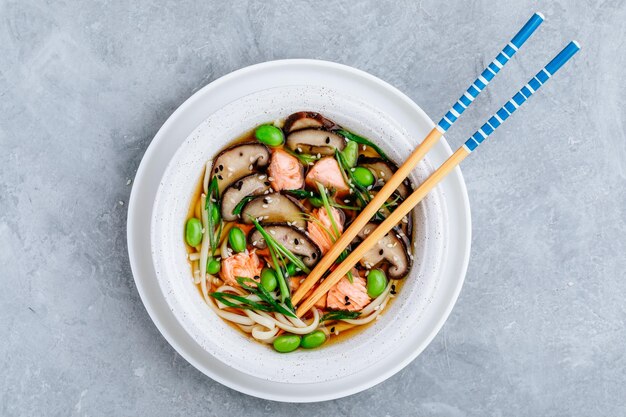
{"x": 264, "y": 206}
{"x": 364, "y": 147}
{"x": 270, "y": 179}
{"x": 250, "y": 167}
{"x": 273, "y": 232}
{"x": 121, "y": 203}
{"x": 128, "y": 182}
{"x": 261, "y": 177}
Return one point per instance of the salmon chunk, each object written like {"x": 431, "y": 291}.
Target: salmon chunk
{"x": 286, "y": 172}
{"x": 326, "y": 171}
{"x": 243, "y": 264}
{"x": 318, "y": 232}
{"x": 348, "y": 296}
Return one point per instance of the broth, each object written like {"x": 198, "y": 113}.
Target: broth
{"x": 345, "y": 207}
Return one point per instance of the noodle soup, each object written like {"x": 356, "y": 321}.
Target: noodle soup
{"x": 268, "y": 209}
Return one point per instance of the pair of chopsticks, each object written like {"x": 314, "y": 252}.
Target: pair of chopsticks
{"x": 418, "y": 154}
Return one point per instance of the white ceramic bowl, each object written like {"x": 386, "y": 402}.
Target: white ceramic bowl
{"x": 375, "y": 110}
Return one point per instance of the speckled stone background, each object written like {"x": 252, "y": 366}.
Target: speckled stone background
{"x": 539, "y": 328}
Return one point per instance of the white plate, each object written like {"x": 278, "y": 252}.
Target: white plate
{"x": 224, "y": 109}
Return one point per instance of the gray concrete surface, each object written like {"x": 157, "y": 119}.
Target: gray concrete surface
{"x": 84, "y": 86}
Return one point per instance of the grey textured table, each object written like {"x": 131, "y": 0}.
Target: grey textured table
{"x": 539, "y": 326}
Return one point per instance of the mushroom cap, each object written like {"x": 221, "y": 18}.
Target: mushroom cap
{"x": 295, "y": 240}
{"x": 391, "y": 248}
{"x": 383, "y": 170}
{"x": 306, "y": 120}
{"x": 238, "y": 161}
{"x": 253, "y": 184}
{"x": 274, "y": 208}
{"x": 315, "y": 141}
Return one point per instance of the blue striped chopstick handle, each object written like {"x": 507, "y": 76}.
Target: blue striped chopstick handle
{"x": 487, "y": 75}
{"x": 521, "y": 96}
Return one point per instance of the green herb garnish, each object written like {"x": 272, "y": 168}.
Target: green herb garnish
{"x": 304, "y": 158}
{"x": 280, "y": 247}
{"x": 362, "y": 141}
{"x": 212, "y": 200}
{"x": 266, "y": 303}
{"x": 340, "y": 315}
{"x": 362, "y": 194}
{"x": 300, "y": 194}
{"x": 243, "y": 202}
{"x": 333, "y": 223}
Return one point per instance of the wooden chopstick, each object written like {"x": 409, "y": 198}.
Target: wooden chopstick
{"x": 417, "y": 155}
{"x": 452, "y": 162}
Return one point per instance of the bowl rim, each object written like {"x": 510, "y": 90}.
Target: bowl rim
{"x": 179, "y": 117}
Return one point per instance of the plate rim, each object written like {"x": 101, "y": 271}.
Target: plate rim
{"x": 148, "y": 156}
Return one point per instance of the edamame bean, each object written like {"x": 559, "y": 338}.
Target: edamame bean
{"x": 313, "y": 340}
{"x": 376, "y": 283}
{"x": 269, "y": 135}
{"x": 363, "y": 176}
{"x": 237, "y": 239}
{"x": 291, "y": 269}
{"x": 350, "y": 153}
{"x": 286, "y": 343}
{"x": 215, "y": 214}
{"x": 268, "y": 279}
{"x": 316, "y": 201}
{"x": 213, "y": 266}
{"x": 193, "y": 232}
